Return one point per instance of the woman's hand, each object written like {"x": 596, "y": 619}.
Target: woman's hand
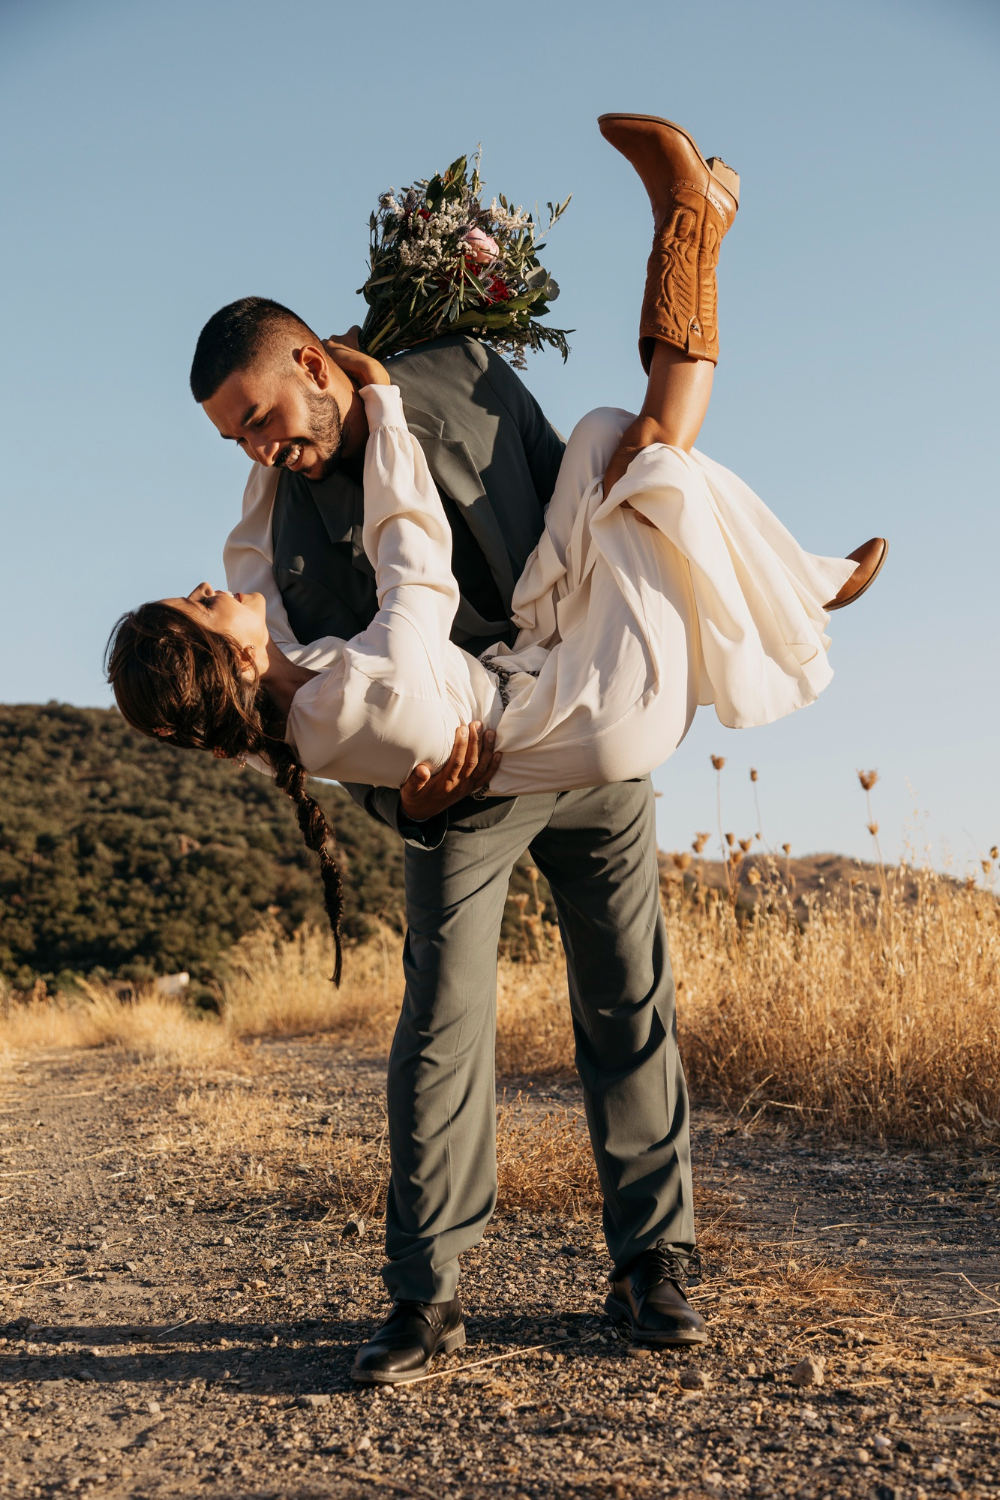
{"x": 363, "y": 370}
{"x": 468, "y": 769}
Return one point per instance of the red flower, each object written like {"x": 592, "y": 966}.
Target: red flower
{"x": 498, "y": 290}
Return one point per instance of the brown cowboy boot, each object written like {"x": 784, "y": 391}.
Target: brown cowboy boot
{"x": 694, "y": 203}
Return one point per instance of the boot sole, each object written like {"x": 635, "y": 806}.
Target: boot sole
{"x": 622, "y": 1319}
{"x": 725, "y": 176}
{"x": 451, "y": 1342}
{"x": 864, "y": 587}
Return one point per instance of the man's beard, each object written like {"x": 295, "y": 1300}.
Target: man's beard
{"x": 326, "y": 433}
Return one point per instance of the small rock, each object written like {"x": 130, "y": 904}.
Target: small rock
{"x": 130, "y": 1265}
{"x": 227, "y": 1240}
{"x": 693, "y": 1379}
{"x": 636, "y": 1351}
{"x": 888, "y": 1492}
{"x": 363, "y": 1444}
{"x": 809, "y": 1371}
{"x": 311, "y": 1401}
{"x": 882, "y": 1446}
{"x": 862, "y": 1456}
{"x": 152, "y": 1406}
{"x": 353, "y": 1228}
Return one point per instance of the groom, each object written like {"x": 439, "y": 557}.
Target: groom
{"x": 270, "y": 384}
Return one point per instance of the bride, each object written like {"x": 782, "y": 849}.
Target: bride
{"x": 660, "y": 582}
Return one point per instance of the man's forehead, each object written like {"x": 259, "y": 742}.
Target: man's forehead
{"x": 241, "y": 396}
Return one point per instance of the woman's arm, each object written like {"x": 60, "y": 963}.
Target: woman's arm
{"x": 408, "y": 541}
{"x": 389, "y": 704}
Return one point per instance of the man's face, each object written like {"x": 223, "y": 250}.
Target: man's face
{"x": 287, "y": 411}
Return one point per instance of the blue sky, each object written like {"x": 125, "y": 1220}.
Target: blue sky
{"x": 159, "y": 160}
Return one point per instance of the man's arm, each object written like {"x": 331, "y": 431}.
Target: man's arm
{"x": 418, "y": 811}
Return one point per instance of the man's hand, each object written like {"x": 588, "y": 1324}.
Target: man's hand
{"x": 468, "y": 769}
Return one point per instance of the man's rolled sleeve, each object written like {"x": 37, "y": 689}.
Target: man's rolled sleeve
{"x": 386, "y": 805}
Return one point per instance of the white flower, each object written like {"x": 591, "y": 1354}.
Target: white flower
{"x": 508, "y": 220}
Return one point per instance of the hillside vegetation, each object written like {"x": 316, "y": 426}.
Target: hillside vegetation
{"x": 123, "y": 857}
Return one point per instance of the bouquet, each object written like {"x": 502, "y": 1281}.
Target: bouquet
{"x": 441, "y": 263}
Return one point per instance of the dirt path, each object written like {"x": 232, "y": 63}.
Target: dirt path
{"x": 180, "y": 1318}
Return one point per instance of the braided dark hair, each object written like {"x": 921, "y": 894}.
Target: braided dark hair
{"x": 176, "y": 681}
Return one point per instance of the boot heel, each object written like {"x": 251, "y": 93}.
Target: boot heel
{"x": 730, "y": 180}
{"x": 454, "y": 1341}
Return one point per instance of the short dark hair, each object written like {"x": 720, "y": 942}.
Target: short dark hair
{"x": 235, "y": 337}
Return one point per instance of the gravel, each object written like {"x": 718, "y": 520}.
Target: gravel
{"x": 166, "y": 1332}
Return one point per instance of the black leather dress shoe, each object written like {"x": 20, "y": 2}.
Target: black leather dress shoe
{"x": 408, "y": 1340}
{"x": 646, "y": 1301}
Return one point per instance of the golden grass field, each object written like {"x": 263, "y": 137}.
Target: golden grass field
{"x": 874, "y": 1014}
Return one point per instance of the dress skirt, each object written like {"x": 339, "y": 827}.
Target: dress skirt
{"x": 625, "y": 628}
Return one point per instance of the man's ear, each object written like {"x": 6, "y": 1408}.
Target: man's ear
{"x": 312, "y": 361}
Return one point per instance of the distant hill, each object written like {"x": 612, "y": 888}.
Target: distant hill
{"x": 806, "y": 878}
{"x": 122, "y": 857}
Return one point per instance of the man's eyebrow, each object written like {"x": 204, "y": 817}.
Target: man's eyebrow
{"x": 249, "y": 415}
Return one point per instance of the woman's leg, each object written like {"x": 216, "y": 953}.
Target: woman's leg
{"x": 677, "y": 395}
{"x": 694, "y": 202}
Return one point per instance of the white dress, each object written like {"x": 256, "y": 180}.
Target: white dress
{"x": 624, "y": 628}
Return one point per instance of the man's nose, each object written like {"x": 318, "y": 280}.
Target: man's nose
{"x": 263, "y": 450}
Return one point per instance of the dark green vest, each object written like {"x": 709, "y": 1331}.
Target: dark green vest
{"x": 494, "y": 459}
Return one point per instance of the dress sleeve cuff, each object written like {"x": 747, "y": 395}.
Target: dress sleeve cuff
{"x": 383, "y": 405}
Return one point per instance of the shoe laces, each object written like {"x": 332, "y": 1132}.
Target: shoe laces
{"x": 661, "y": 1263}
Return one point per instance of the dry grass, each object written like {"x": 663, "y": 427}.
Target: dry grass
{"x": 545, "y": 1161}
{"x": 876, "y": 1016}
{"x": 282, "y": 987}
{"x": 152, "y": 1028}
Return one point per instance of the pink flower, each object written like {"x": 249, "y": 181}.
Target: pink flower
{"x": 481, "y": 247}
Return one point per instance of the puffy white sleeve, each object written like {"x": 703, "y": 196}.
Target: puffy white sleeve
{"x": 388, "y": 704}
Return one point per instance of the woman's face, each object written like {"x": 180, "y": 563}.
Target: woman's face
{"x": 240, "y": 616}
